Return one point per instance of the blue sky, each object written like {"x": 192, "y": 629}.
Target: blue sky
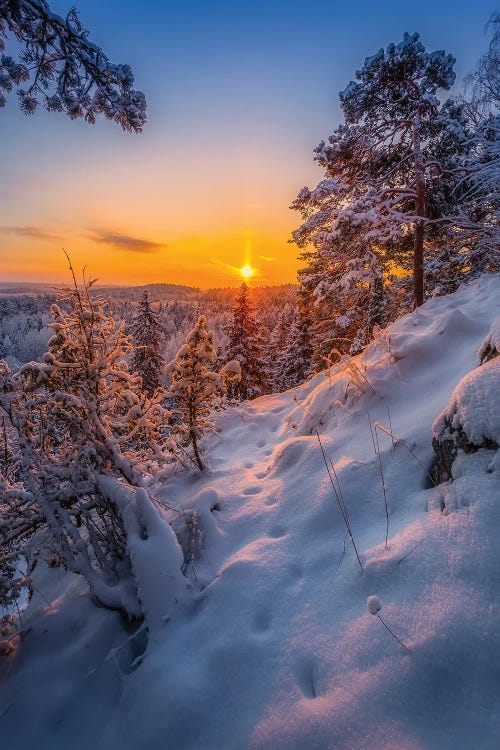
{"x": 238, "y": 96}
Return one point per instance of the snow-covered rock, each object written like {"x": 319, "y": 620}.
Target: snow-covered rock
{"x": 471, "y": 420}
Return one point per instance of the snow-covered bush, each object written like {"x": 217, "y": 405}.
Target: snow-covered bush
{"x": 195, "y": 386}
{"x": 88, "y": 435}
{"x": 471, "y": 420}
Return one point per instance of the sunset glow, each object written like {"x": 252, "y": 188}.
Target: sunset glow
{"x": 178, "y": 202}
{"x": 247, "y": 271}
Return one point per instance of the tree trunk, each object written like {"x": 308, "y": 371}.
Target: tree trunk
{"x": 420, "y": 211}
{"x": 196, "y": 452}
{"x": 418, "y": 263}
{"x": 192, "y": 436}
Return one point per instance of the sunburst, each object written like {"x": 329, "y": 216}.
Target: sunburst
{"x": 247, "y": 271}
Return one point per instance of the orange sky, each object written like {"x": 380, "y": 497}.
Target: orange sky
{"x": 211, "y": 261}
{"x": 236, "y": 105}
{"x": 138, "y": 209}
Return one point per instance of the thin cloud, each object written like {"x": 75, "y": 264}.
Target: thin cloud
{"x": 267, "y": 258}
{"x": 36, "y": 233}
{"x": 220, "y": 264}
{"x": 127, "y": 242}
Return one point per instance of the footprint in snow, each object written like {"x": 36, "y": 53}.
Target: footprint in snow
{"x": 277, "y": 531}
{"x": 262, "y": 621}
{"x": 306, "y": 672}
{"x": 252, "y": 491}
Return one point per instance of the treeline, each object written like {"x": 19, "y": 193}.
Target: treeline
{"x": 268, "y": 326}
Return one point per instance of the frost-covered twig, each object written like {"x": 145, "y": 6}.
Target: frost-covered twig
{"x": 374, "y": 608}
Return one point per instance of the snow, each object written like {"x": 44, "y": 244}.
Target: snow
{"x": 374, "y": 605}
{"x": 273, "y": 647}
{"x": 491, "y": 343}
{"x": 474, "y": 405}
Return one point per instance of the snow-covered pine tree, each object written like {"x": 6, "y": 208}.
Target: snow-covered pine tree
{"x": 481, "y": 196}
{"x": 389, "y": 168}
{"x": 147, "y": 336}
{"x": 377, "y": 304}
{"x": 57, "y": 63}
{"x": 245, "y": 346}
{"x": 195, "y": 386}
{"x": 294, "y": 364}
{"x": 337, "y": 290}
{"x": 277, "y": 344}
{"x": 88, "y": 435}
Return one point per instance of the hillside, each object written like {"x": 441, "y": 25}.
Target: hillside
{"x": 275, "y": 648}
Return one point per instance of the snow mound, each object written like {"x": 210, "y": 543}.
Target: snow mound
{"x": 474, "y": 407}
{"x": 490, "y": 346}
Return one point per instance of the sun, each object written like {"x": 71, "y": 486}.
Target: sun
{"x": 247, "y": 271}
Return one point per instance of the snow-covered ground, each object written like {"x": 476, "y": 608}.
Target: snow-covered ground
{"x": 276, "y": 648}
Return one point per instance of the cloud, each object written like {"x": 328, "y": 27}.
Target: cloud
{"x": 267, "y": 258}
{"x": 220, "y": 264}
{"x": 36, "y": 233}
{"x": 126, "y": 242}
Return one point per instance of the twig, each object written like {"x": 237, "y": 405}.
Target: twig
{"x": 399, "y": 441}
{"x": 390, "y": 425}
{"x": 392, "y": 633}
{"x": 382, "y": 478}
{"x": 412, "y": 550}
{"x": 343, "y": 553}
{"x": 339, "y": 501}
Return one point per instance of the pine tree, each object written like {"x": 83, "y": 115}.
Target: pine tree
{"x": 390, "y": 172}
{"x": 196, "y": 386}
{"x": 480, "y": 250}
{"x": 278, "y": 342}
{"x": 376, "y": 305}
{"x": 147, "y": 335}
{"x": 294, "y": 364}
{"x": 60, "y": 65}
{"x": 245, "y": 346}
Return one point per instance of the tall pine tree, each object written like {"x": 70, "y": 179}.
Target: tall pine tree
{"x": 245, "y": 346}
{"x": 147, "y": 335}
{"x": 390, "y": 172}
{"x": 294, "y": 363}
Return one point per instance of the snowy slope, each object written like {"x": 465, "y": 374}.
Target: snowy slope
{"x": 277, "y": 648}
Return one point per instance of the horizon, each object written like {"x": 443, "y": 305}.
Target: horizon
{"x": 57, "y": 285}
{"x": 237, "y": 101}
